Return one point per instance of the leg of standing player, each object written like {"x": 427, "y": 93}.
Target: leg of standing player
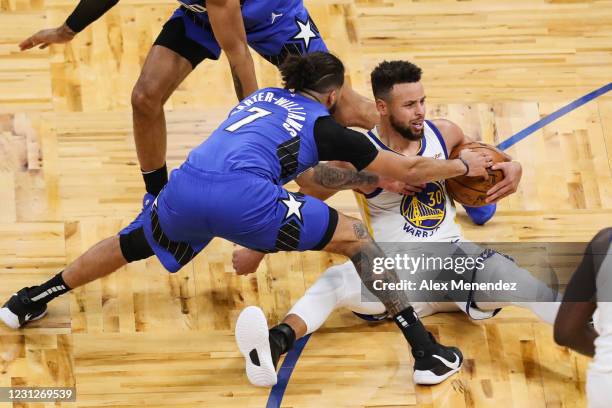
{"x": 172, "y": 57}
{"x": 161, "y": 74}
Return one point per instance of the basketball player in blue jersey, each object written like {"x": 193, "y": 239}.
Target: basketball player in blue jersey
{"x": 231, "y": 186}
{"x": 198, "y": 30}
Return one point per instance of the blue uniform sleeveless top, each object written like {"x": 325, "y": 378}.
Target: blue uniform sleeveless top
{"x": 270, "y": 134}
{"x": 254, "y": 12}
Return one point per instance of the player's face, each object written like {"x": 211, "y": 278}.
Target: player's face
{"x": 406, "y": 109}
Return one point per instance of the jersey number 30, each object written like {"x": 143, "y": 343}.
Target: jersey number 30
{"x": 257, "y": 113}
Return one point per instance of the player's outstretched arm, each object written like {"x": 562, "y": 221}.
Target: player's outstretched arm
{"x": 227, "y": 24}
{"x": 326, "y": 179}
{"x": 336, "y": 143}
{"x": 416, "y": 170}
{"x": 85, "y": 13}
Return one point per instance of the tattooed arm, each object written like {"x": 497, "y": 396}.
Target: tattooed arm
{"x": 326, "y": 179}
{"x": 227, "y": 13}
{"x": 338, "y": 176}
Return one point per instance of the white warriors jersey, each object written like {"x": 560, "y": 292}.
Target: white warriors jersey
{"x": 428, "y": 216}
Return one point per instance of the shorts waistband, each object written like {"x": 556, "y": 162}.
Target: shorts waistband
{"x": 193, "y": 16}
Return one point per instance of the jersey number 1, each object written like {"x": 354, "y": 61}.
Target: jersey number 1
{"x": 257, "y": 113}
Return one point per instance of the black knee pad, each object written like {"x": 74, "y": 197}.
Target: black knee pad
{"x": 134, "y": 246}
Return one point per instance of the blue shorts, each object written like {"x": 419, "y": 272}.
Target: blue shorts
{"x": 249, "y": 210}
{"x": 291, "y": 33}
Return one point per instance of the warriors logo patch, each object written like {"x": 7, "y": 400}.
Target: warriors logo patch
{"x": 427, "y": 209}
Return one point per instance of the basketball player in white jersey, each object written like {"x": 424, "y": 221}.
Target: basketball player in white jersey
{"x": 396, "y": 213}
{"x": 589, "y": 296}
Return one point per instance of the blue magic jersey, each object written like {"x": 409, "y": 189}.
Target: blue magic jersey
{"x": 231, "y": 185}
{"x": 270, "y": 25}
{"x": 254, "y": 12}
{"x": 270, "y": 134}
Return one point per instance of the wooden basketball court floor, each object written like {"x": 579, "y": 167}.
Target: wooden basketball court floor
{"x": 143, "y": 337}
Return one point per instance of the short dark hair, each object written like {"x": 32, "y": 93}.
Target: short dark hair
{"x": 318, "y": 71}
{"x": 389, "y": 73}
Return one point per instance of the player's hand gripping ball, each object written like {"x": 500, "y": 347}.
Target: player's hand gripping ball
{"x": 472, "y": 191}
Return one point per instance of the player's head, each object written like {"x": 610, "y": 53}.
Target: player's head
{"x": 319, "y": 74}
{"x": 400, "y": 97}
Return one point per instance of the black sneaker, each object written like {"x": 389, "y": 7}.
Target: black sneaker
{"x": 260, "y": 355}
{"x": 19, "y": 310}
{"x": 437, "y": 364}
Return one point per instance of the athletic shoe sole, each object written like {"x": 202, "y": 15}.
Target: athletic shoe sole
{"x": 12, "y": 320}
{"x": 426, "y": 377}
{"x": 253, "y": 341}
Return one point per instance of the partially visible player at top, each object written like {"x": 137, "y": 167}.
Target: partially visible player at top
{"x": 231, "y": 186}
{"x": 199, "y": 30}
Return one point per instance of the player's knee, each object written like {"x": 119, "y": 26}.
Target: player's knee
{"x": 333, "y": 277}
{"x": 134, "y": 246}
{"x": 146, "y": 99}
{"x": 354, "y": 241}
{"x": 480, "y": 215}
{"x": 329, "y": 287}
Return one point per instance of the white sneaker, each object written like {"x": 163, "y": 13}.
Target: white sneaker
{"x": 252, "y": 337}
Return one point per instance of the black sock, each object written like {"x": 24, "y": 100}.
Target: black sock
{"x": 155, "y": 180}
{"x": 417, "y": 335}
{"x": 281, "y": 339}
{"x": 43, "y": 294}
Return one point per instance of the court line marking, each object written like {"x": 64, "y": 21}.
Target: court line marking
{"x": 278, "y": 391}
{"x": 284, "y": 374}
{"x": 512, "y": 140}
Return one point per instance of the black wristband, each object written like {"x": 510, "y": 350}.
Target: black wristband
{"x": 86, "y": 12}
{"x": 73, "y": 25}
{"x": 467, "y": 166}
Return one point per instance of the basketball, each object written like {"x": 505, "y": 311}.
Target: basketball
{"x": 472, "y": 191}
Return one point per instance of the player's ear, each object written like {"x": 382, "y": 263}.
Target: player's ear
{"x": 332, "y": 98}
{"x": 382, "y": 107}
